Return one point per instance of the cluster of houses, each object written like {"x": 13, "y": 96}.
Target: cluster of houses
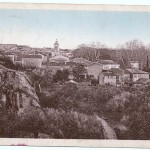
{"x": 40, "y": 57}
{"x": 104, "y": 71}
{"x": 108, "y": 72}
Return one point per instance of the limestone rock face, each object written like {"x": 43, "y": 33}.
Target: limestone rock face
{"x": 16, "y": 91}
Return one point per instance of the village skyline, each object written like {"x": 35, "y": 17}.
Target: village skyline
{"x": 39, "y": 28}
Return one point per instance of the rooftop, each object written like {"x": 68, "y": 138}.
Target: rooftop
{"x": 32, "y": 56}
{"x": 69, "y": 63}
{"x": 142, "y": 81}
{"x": 108, "y": 74}
{"x": 117, "y": 71}
{"x": 82, "y": 61}
{"x": 135, "y": 71}
{"x": 107, "y": 62}
{"x": 60, "y": 58}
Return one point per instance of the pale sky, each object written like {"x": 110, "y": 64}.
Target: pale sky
{"x": 40, "y": 28}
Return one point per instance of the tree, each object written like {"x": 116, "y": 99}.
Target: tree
{"x": 65, "y": 74}
{"x": 93, "y": 51}
{"x": 133, "y": 45}
{"x": 132, "y": 50}
{"x": 30, "y": 121}
{"x": 7, "y": 62}
{"x": 78, "y": 71}
{"x": 37, "y": 76}
{"x": 61, "y": 75}
{"x": 47, "y": 78}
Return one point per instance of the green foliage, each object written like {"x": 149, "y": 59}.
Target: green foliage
{"x": 123, "y": 54}
{"x": 54, "y": 123}
{"x": 48, "y": 101}
{"x": 139, "y": 124}
{"x": 105, "y": 93}
{"x": 30, "y": 121}
{"x": 118, "y": 102}
{"x": 12, "y": 125}
{"x": 7, "y": 62}
{"x": 8, "y": 121}
{"x": 73, "y": 125}
{"x": 78, "y": 71}
{"x": 128, "y": 107}
{"x": 61, "y": 75}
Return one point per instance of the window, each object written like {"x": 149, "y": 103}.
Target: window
{"x": 106, "y": 67}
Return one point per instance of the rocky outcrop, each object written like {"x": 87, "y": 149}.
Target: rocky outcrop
{"x": 16, "y": 91}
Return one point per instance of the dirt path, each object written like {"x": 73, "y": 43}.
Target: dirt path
{"x": 108, "y": 132}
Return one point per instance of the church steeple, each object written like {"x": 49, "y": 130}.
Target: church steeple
{"x": 56, "y": 45}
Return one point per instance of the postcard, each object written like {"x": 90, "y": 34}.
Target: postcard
{"x": 74, "y": 75}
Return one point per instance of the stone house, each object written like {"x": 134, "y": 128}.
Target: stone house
{"x": 108, "y": 64}
{"x": 94, "y": 69}
{"x": 44, "y": 57}
{"x": 32, "y": 61}
{"x": 120, "y": 75}
{"x": 132, "y": 75}
{"x": 11, "y": 57}
{"x": 108, "y": 78}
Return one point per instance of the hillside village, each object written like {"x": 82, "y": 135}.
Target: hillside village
{"x": 102, "y": 72}
{"x": 93, "y": 82}
{"x": 106, "y": 98}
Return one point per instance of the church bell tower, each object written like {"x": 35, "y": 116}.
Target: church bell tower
{"x": 56, "y": 46}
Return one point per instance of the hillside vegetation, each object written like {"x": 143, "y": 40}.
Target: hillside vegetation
{"x": 125, "y": 109}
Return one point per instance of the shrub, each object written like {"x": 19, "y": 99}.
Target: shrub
{"x": 61, "y": 75}
{"x": 30, "y": 121}
{"x": 105, "y": 93}
{"x": 73, "y": 125}
{"x": 48, "y": 101}
{"x": 118, "y": 102}
{"x": 139, "y": 125}
{"x": 8, "y": 123}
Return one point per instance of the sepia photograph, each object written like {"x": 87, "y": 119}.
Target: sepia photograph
{"x": 74, "y": 72}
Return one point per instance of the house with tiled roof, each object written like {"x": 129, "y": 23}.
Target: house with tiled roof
{"x": 135, "y": 64}
{"x": 120, "y": 75}
{"x": 142, "y": 81}
{"x": 108, "y": 64}
{"x": 94, "y": 69}
{"x": 59, "y": 58}
{"x": 132, "y": 75}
